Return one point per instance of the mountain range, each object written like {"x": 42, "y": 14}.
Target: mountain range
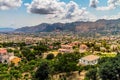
{"x": 101, "y": 26}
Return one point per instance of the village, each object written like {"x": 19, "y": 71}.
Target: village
{"x": 70, "y": 56}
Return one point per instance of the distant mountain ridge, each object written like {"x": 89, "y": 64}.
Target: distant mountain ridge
{"x": 6, "y": 29}
{"x": 99, "y": 26}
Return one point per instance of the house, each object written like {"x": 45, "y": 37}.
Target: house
{"x": 103, "y": 49}
{"x": 89, "y": 60}
{"x": 15, "y": 60}
{"x": 3, "y": 56}
{"x": 76, "y": 43}
{"x": 3, "y": 51}
{"x": 65, "y": 49}
{"x": 113, "y": 47}
{"x": 98, "y": 44}
{"x": 83, "y": 48}
{"x": 6, "y": 57}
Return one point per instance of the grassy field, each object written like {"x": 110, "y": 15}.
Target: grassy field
{"x": 106, "y": 54}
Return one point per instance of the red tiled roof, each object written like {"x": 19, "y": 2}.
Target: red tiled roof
{"x": 3, "y": 51}
{"x": 83, "y": 46}
{"x": 15, "y": 60}
{"x": 91, "y": 57}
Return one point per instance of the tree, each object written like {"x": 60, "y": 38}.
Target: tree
{"x": 110, "y": 70}
{"x": 92, "y": 74}
{"x": 43, "y": 71}
{"x": 66, "y": 62}
{"x": 56, "y": 45}
{"x": 50, "y": 56}
{"x": 25, "y": 51}
{"x": 15, "y": 74}
{"x": 10, "y": 50}
{"x": 28, "y": 54}
{"x": 41, "y": 48}
{"x": 107, "y": 71}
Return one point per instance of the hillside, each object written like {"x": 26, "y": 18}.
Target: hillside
{"x": 100, "y": 26}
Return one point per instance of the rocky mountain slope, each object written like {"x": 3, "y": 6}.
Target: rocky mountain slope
{"x": 100, "y": 26}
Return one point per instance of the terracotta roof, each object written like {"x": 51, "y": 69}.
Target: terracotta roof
{"x": 3, "y": 51}
{"x": 15, "y": 60}
{"x": 90, "y": 57}
{"x": 66, "y": 46}
{"x": 83, "y": 46}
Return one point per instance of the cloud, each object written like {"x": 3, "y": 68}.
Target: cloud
{"x": 72, "y": 10}
{"x": 57, "y": 10}
{"x": 111, "y": 17}
{"x": 8, "y": 4}
{"x": 45, "y": 6}
{"x": 93, "y": 3}
{"x": 111, "y": 4}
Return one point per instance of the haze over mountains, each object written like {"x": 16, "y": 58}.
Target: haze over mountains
{"x": 6, "y": 29}
{"x": 100, "y": 26}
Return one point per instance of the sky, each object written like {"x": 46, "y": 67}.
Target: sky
{"x": 21, "y": 13}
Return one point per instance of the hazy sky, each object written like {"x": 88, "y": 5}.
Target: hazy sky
{"x": 20, "y": 13}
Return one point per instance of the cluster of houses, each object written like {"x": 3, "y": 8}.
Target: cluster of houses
{"x": 90, "y": 59}
{"x": 69, "y": 48}
{"x": 87, "y": 60}
{"x": 7, "y": 58}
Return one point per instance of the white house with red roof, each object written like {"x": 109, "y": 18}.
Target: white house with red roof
{"x": 4, "y": 56}
{"x": 89, "y": 60}
{"x": 3, "y": 51}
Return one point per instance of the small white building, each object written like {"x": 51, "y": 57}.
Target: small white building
{"x": 89, "y": 60}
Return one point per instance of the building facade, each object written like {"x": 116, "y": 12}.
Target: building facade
{"x": 89, "y": 60}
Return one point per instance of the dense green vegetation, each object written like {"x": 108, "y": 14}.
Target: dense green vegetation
{"x": 33, "y": 66}
{"x": 39, "y": 63}
{"x": 107, "y": 69}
